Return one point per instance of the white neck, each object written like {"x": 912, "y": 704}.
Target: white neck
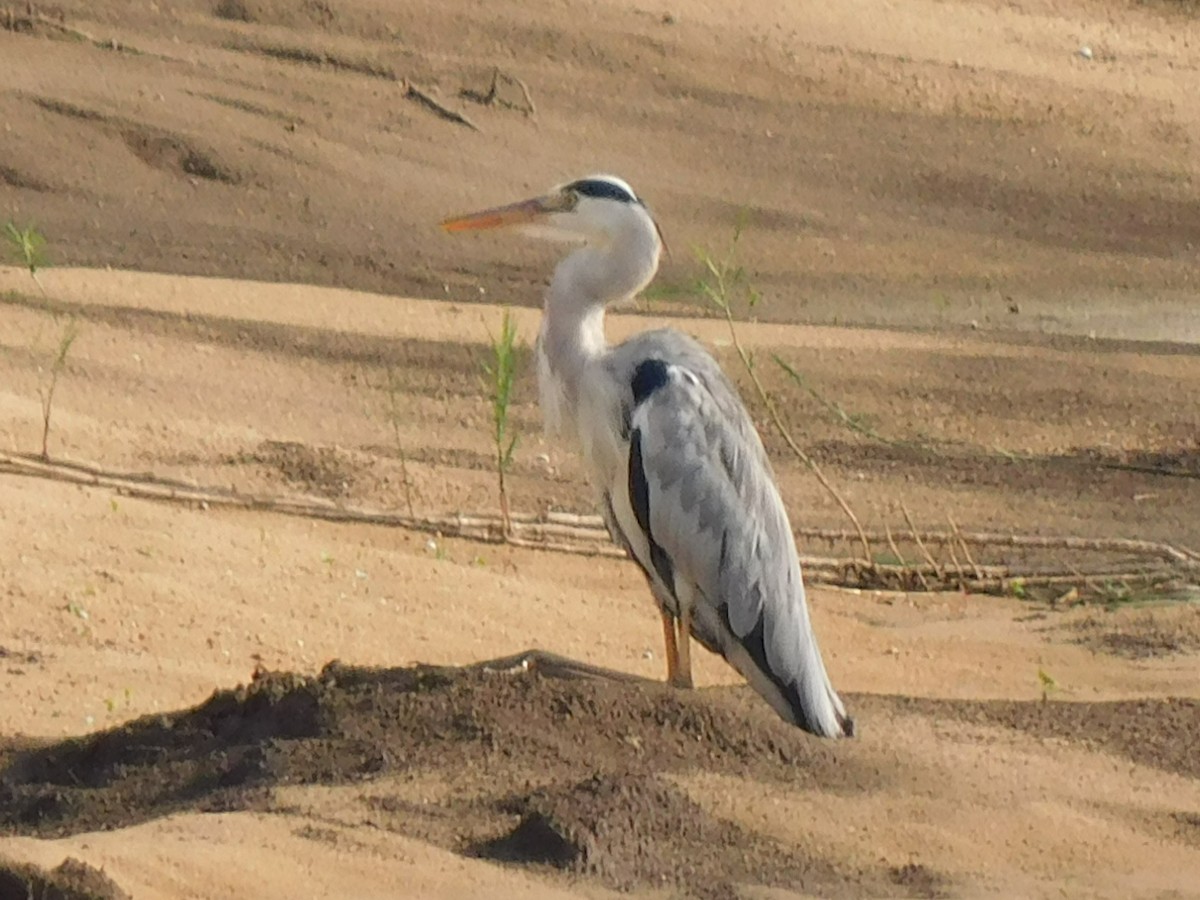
{"x": 572, "y": 335}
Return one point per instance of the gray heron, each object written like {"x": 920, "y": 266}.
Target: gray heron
{"x": 686, "y": 486}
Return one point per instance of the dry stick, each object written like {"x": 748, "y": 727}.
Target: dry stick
{"x": 31, "y": 17}
{"x": 1181, "y": 555}
{"x": 1084, "y": 580}
{"x": 551, "y": 665}
{"x": 891, "y": 542}
{"x": 965, "y": 549}
{"x": 900, "y": 557}
{"x": 147, "y": 487}
{"x": 835, "y": 408}
{"x": 920, "y": 544}
{"x": 787, "y": 437}
{"x": 413, "y": 92}
{"x": 524, "y": 93}
{"x": 543, "y": 536}
{"x": 1171, "y": 552}
{"x": 962, "y": 584}
{"x": 1149, "y": 470}
{"x": 570, "y": 526}
{"x": 493, "y": 95}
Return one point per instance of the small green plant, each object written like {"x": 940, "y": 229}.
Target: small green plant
{"x": 392, "y": 389}
{"x": 501, "y": 373}
{"x": 1115, "y": 593}
{"x": 28, "y": 246}
{"x": 114, "y": 704}
{"x": 49, "y": 382}
{"x": 1049, "y": 685}
{"x": 724, "y": 281}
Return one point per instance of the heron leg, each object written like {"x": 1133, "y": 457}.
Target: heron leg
{"x": 683, "y": 668}
{"x": 668, "y": 621}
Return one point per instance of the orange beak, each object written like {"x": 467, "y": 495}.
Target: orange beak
{"x": 505, "y": 216}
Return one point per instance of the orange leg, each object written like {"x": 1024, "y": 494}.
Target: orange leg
{"x": 672, "y": 648}
{"x": 683, "y": 669}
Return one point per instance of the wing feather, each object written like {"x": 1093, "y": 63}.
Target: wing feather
{"x": 700, "y": 491}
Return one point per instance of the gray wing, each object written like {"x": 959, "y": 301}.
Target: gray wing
{"x": 700, "y": 511}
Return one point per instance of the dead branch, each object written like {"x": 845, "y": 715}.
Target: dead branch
{"x": 593, "y": 526}
{"x": 957, "y": 566}
{"x": 1159, "y": 564}
{"x": 412, "y": 92}
{"x": 920, "y": 544}
{"x": 954, "y": 529}
{"x": 552, "y": 665}
{"x": 17, "y": 21}
{"x": 900, "y": 557}
{"x": 492, "y": 97}
{"x": 1149, "y": 470}
{"x": 1182, "y": 556}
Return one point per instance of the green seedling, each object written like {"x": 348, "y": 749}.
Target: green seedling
{"x": 112, "y": 704}
{"x": 28, "y": 246}
{"x": 49, "y": 383}
{"x": 501, "y": 374}
{"x": 393, "y": 391}
{"x": 1049, "y": 685}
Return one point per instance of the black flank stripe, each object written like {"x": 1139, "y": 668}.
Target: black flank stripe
{"x": 755, "y": 644}
{"x": 639, "y": 499}
{"x": 663, "y": 565}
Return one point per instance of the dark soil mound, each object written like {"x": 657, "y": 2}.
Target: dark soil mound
{"x": 71, "y": 880}
{"x": 581, "y": 775}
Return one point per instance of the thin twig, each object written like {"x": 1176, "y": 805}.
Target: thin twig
{"x": 524, "y": 93}
{"x": 835, "y": 408}
{"x": 900, "y": 557}
{"x": 954, "y": 529}
{"x": 962, "y": 582}
{"x": 14, "y": 20}
{"x": 917, "y": 538}
{"x": 891, "y": 542}
{"x": 1170, "y": 552}
{"x": 412, "y": 92}
{"x": 777, "y": 420}
{"x": 492, "y": 96}
{"x": 1149, "y": 470}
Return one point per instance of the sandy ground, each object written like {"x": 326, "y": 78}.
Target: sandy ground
{"x": 921, "y": 167}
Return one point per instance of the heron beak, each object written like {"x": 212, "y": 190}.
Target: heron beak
{"x": 506, "y": 216}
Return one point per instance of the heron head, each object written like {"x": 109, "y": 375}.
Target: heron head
{"x": 592, "y": 210}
